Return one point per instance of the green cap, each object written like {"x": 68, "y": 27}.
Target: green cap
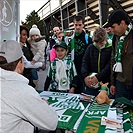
{"x": 61, "y": 44}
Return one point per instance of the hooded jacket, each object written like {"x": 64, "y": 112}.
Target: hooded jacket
{"x": 21, "y": 106}
{"x": 98, "y": 61}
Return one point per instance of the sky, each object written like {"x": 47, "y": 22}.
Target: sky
{"x": 27, "y": 6}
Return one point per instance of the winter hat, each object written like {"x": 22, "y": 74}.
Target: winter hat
{"x": 115, "y": 17}
{"x": 34, "y": 30}
{"x": 61, "y": 44}
{"x": 11, "y": 50}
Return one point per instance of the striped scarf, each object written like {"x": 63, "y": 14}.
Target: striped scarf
{"x": 69, "y": 40}
{"x": 118, "y": 55}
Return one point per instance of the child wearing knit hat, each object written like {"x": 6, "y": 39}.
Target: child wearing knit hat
{"x": 38, "y": 44}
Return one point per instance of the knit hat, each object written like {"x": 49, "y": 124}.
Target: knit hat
{"x": 34, "y": 30}
{"x": 116, "y": 17}
{"x": 11, "y": 50}
{"x": 61, "y": 44}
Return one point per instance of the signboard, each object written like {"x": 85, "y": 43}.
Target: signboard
{"x": 9, "y": 20}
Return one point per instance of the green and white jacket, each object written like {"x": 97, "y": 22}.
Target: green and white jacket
{"x": 61, "y": 75}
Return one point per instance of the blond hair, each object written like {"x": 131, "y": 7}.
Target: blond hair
{"x": 100, "y": 35}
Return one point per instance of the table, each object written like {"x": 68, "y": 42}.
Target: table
{"x": 84, "y": 117}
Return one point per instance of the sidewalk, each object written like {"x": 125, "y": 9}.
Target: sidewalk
{"x": 42, "y": 77}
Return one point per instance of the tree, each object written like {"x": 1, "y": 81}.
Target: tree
{"x": 33, "y": 18}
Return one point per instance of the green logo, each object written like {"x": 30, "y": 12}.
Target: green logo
{"x": 64, "y": 82}
{"x": 65, "y": 118}
{"x": 79, "y": 47}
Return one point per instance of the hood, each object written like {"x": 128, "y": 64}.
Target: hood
{"x": 107, "y": 45}
{"x": 12, "y": 76}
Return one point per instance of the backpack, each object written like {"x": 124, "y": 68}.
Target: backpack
{"x": 88, "y": 39}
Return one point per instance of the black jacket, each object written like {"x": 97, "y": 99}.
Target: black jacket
{"x": 80, "y": 47}
{"x": 28, "y": 54}
{"x": 98, "y": 61}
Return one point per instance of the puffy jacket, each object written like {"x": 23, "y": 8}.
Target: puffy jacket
{"x": 96, "y": 60}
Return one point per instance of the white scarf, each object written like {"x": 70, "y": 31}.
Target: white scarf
{"x": 61, "y": 75}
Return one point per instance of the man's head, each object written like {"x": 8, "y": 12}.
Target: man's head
{"x": 11, "y": 56}
{"x": 78, "y": 24}
{"x": 56, "y": 30}
{"x": 118, "y": 21}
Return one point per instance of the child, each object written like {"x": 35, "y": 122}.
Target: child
{"x": 60, "y": 36}
{"x": 62, "y": 75}
{"x": 38, "y": 44}
{"x": 52, "y": 52}
{"x": 96, "y": 60}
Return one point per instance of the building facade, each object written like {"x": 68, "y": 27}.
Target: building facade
{"x": 61, "y": 12}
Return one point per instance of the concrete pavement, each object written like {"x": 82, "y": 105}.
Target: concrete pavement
{"x": 42, "y": 77}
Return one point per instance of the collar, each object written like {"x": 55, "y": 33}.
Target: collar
{"x": 107, "y": 45}
{"x": 65, "y": 58}
{"x": 12, "y": 76}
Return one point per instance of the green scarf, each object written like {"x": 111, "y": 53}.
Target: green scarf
{"x": 77, "y": 34}
{"x": 118, "y": 66}
{"x": 69, "y": 40}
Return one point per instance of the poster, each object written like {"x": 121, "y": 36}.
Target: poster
{"x": 9, "y": 20}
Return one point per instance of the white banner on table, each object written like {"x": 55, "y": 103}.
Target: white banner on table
{"x": 62, "y": 100}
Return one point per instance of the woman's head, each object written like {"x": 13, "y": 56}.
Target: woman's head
{"x": 24, "y": 34}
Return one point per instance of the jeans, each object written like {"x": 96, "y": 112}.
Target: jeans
{"x": 123, "y": 90}
{"x": 34, "y": 74}
{"x": 29, "y": 77}
{"x": 80, "y": 85}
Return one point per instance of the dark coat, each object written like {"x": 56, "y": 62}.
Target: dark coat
{"x": 127, "y": 60}
{"x": 80, "y": 47}
{"x": 98, "y": 61}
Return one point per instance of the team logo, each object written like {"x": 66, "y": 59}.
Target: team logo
{"x": 64, "y": 82}
{"x": 68, "y": 67}
{"x": 6, "y": 13}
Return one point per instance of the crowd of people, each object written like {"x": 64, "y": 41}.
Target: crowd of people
{"x": 78, "y": 63}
